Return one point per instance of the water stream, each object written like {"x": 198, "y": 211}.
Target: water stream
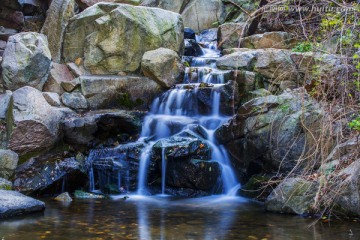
{"x": 154, "y": 217}
{"x": 180, "y": 107}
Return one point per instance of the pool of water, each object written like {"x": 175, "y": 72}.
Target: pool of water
{"x": 167, "y": 218}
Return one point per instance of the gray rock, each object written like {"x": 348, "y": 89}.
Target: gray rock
{"x": 279, "y": 40}
{"x": 8, "y": 163}
{"x": 163, "y": 65}
{"x": 196, "y": 14}
{"x": 26, "y": 61}
{"x": 272, "y": 132}
{"x": 4, "y": 103}
{"x": 193, "y": 174}
{"x": 52, "y": 98}
{"x": 124, "y": 92}
{"x": 81, "y": 130}
{"x": 70, "y": 86}
{"x": 282, "y": 68}
{"x": 64, "y": 197}
{"x": 46, "y": 173}
{"x": 59, "y": 73}
{"x": 188, "y": 162}
{"x": 13, "y": 204}
{"x": 113, "y": 37}
{"x": 293, "y": 195}
{"x": 74, "y": 100}
{"x": 57, "y": 18}
{"x": 33, "y": 124}
{"x": 125, "y": 158}
{"x": 181, "y": 147}
{"x": 238, "y": 61}
{"x": 347, "y": 197}
{"x": 75, "y": 69}
{"x": 229, "y": 35}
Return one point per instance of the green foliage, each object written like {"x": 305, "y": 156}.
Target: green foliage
{"x": 303, "y": 47}
{"x": 355, "y": 124}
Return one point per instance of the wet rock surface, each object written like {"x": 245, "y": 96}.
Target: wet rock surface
{"x": 14, "y": 203}
{"x": 99, "y": 126}
{"x": 46, "y": 174}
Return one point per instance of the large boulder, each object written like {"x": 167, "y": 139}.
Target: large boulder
{"x": 57, "y": 18}
{"x": 348, "y": 196}
{"x": 279, "y": 40}
{"x": 196, "y": 14}
{"x": 194, "y": 174}
{"x": 282, "y": 68}
{"x": 8, "y": 163}
{"x": 26, "y": 61}
{"x": 164, "y": 66}
{"x": 14, "y": 203}
{"x": 114, "y": 37}
{"x": 120, "y": 164}
{"x": 293, "y": 195}
{"x": 188, "y": 164}
{"x": 124, "y": 92}
{"x": 203, "y": 14}
{"x": 269, "y": 134}
{"x": 45, "y": 174}
{"x": 33, "y": 124}
{"x": 101, "y": 126}
{"x": 229, "y": 35}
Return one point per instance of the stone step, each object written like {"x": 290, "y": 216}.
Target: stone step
{"x": 124, "y": 92}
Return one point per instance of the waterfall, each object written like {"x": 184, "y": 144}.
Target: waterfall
{"x": 174, "y": 110}
{"x": 163, "y": 170}
{"x": 91, "y": 180}
{"x": 196, "y": 101}
{"x": 144, "y": 164}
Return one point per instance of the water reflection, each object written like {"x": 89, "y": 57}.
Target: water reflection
{"x": 211, "y": 214}
{"x": 167, "y": 218}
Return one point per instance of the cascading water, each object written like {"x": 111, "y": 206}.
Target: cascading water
{"x": 174, "y": 110}
{"x": 197, "y": 101}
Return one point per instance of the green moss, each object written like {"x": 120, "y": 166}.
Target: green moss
{"x": 254, "y": 187}
{"x": 6, "y": 187}
{"x": 85, "y": 195}
{"x": 125, "y": 101}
